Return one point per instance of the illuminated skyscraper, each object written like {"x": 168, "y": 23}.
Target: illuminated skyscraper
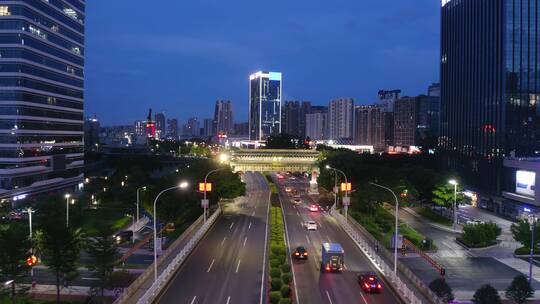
{"x": 264, "y": 105}
{"x": 42, "y": 47}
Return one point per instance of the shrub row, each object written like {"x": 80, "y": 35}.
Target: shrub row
{"x": 280, "y": 270}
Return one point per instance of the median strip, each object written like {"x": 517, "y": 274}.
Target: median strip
{"x": 280, "y": 269}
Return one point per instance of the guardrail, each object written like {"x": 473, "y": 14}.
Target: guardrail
{"x": 164, "y": 277}
{"x": 367, "y": 243}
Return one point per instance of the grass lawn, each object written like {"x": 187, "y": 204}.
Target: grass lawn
{"x": 94, "y": 220}
{"x": 434, "y": 217}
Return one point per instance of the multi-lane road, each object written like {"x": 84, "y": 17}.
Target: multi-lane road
{"x": 227, "y": 266}
{"x": 312, "y": 285}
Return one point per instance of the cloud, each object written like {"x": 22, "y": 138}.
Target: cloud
{"x": 217, "y": 49}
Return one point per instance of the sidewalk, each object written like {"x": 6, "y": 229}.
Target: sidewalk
{"x": 428, "y": 222}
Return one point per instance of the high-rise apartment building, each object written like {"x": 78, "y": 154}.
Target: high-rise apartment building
{"x": 223, "y": 118}
{"x": 160, "y": 125}
{"x": 208, "y": 127}
{"x": 434, "y": 90}
{"x": 317, "y": 126}
{"x": 293, "y": 118}
{"x": 341, "y": 119}
{"x": 388, "y": 97}
{"x": 489, "y": 86}
{"x": 264, "y": 105}
{"x": 191, "y": 128}
{"x": 369, "y": 126}
{"x": 416, "y": 119}
{"x": 91, "y": 134}
{"x": 41, "y": 96}
{"x": 139, "y": 127}
{"x": 172, "y": 129}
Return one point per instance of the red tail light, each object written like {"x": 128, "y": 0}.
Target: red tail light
{"x": 379, "y": 286}
{"x": 366, "y": 285}
{"x": 327, "y": 267}
{"x": 305, "y": 253}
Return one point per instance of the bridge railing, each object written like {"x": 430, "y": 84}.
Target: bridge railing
{"x": 157, "y": 287}
{"x": 366, "y": 242}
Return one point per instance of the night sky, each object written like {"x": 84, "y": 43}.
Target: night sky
{"x": 180, "y": 56}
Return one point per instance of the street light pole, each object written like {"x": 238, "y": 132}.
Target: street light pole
{"x": 455, "y": 183}
{"x": 67, "y": 196}
{"x": 205, "y": 206}
{"x": 396, "y": 224}
{"x": 144, "y": 188}
{"x": 346, "y": 201}
{"x": 532, "y": 223}
{"x": 182, "y": 186}
{"x": 30, "y": 211}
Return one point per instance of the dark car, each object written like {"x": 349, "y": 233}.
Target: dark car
{"x": 124, "y": 236}
{"x": 300, "y": 253}
{"x": 369, "y": 283}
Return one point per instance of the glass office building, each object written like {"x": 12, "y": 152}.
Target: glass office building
{"x": 489, "y": 86}
{"x": 264, "y": 105}
{"x": 41, "y": 95}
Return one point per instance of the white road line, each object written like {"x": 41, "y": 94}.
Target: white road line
{"x": 232, "y": 224}
{"x": 363, "y": 298}
{"x": 211, "y": 264}
{"x": 193, "y": 301}
{"x": 307, "y": 238}
{"x": 245, "y": 240}
{"x": 253, "y": 213}
{"x": 249, "y": 227}
{"x": 223, "y": 242}
{"x": 228, "y": 299}
{"x": 328, "y": 295}
{"x": 238, "y": 266}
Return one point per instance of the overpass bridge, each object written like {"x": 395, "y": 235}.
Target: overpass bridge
{"x": 270, "y": 160}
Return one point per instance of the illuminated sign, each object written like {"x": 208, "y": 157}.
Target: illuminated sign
{"x": 205, "y": 187}
{"x": 525, "y": 183}
{"x": 346, "y": 187}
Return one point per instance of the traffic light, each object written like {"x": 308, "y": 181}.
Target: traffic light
{"x": 205, "y": 187}
{"x": 346, "y": 187}
{"x": 32, "y": 260}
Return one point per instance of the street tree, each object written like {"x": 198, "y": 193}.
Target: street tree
{"x": 442, "y": 289}
{"x": 520, "y": 290}
{"x": 443, "y": 195}
{"x": 14, "y": 250}
{"x": 59, "y": 245}
{"x": 486, "y": 295}
{"x": 521, "y": 231}
{"x": 104, "y": 252}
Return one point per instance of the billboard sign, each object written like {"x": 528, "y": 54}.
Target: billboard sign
{"x": 525, "y": 183}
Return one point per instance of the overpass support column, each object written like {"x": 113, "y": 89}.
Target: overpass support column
{"x": 313, "y": 186}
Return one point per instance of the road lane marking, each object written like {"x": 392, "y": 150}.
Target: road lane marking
{"x": 245, "y": 240}
{"x": 249, "y": 227}
{"x": 232, "y": 224}
{"x": 238, "y": 266}
{"x": 228, "y": 299}
{"x": 211, "y": 264}
{"x": 307, "y": 238}
{"x": 193, "y": 301}
{"x": 363, "y": 298}
{"x": 253, "y": 213}
{"x": 223, "y": 242}
{"x": 328, "y": 295}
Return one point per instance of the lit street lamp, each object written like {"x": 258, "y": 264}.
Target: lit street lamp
{"x": 397, "y": 222}
{"x": 138, "y": 200}
{"x": 67, "y": 196}
{"x": 346, "y": 200}
{"x": 223, "y": 157}
{"x": 532, "y": 224}
{"x": 454, "y": 183}
{"x": 205, "y": 202}
{"x": 182, "y": 185}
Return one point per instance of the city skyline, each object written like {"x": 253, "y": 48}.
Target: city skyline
{"x": 184, "y": 68}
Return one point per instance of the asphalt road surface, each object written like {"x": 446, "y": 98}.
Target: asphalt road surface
{"x": 227, "y": 265}
{"x": 312, "y": 285}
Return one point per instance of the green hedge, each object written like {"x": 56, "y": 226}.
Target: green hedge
{"x": 279, "y": 268}
{"x": 480, "y": 235}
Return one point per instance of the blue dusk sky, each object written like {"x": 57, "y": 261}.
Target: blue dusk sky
{"x": 180, "y": 56}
